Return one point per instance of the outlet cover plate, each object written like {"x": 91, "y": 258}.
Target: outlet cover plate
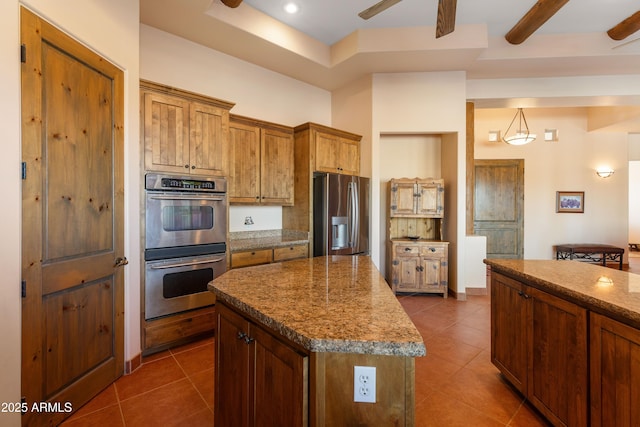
{"x": 364, "y": 384}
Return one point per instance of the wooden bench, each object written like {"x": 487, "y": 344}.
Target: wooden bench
{"x": 590, "y": 252}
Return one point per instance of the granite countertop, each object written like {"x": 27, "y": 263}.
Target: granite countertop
{"x": 240, "y": 241}
{"x": 581, "y": 283}
{"x": 325, "y": 304}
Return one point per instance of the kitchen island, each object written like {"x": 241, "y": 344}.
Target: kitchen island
{"x": 567, "y": 335}
{"x": 290, "y": 334}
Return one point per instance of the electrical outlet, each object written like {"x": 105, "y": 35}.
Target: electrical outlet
{"x": 248, "y": 220}
{"x": 364, "y": 384}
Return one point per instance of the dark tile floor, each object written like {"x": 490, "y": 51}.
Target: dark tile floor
{"x": 456, "y": 384}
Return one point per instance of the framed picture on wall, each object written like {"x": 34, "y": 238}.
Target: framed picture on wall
{"x": 570, "y": 201}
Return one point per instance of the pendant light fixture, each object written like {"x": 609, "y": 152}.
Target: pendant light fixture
{"x": 521, "y": 135}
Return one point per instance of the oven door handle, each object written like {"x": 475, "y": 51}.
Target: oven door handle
{"x": 185, "y": 264}
{"x": 191, "y": 197}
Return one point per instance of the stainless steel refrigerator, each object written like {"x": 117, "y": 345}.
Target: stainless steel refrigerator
{"x": 341, "y": 206}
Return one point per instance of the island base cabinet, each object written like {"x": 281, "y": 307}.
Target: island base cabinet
{"x": 260, "y": 380}
{"x": 332, "y": 395}
{"x": 548, "y": 336}
{"x": 615, "y": 373}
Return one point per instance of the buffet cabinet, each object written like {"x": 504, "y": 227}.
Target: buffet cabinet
{"x": 539, "y": 343}
{"x": 184, "y": 132}
{"x": 262, "y": 162}
{"x": 417, "y": 255}
{"x": 419, "y": 267}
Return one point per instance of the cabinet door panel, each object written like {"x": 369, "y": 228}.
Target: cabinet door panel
{"x": 280, "y": 382}
{"x": 349, "y": 156}
{"x": 403, "y": 198}
{"x": 430, "y": 272}
{"x": 276, "y": 164}
{"x": 327, "y": 147}
{"x": 166, "y": 133}
{"x": 232, "y": 370}
{"x": 430, "y": 201}
{"x": 407, "y": 269}
{"x": 208, "y": 140}
{"x": 244, "y": 174}
{"x": 615, "y": 373}
{"x": 558, "y": 359}
{"x": 509, "y": 329}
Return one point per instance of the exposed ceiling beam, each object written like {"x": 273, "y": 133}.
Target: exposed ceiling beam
{"x": 231, "y": 3}
{"x": 446, "y": 17}
{"x": 377, "y": 8}
{"x": 625, "y": 28}
{"x": 533, "y": 19}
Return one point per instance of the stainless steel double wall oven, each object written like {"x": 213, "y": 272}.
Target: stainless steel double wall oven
{"x": 185, "y": 235}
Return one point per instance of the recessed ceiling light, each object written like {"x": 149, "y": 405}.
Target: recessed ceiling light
{"x": 291, "y": 8}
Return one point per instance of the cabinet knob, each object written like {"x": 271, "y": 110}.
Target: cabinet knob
{"x": 248, "y": 339}
{"x": 193, "y": 167}
{"x": 186, "y": 166}
{"x": 432, "y": 249}
{"x": 407, "y": 249}
{"x": 241, "y": 335}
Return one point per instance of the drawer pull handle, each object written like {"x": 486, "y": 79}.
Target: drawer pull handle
{"x": 432, "y": 249}
{"x": 407, "y": 249}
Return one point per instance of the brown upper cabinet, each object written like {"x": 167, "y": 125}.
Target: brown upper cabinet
{"x": 184, "y": 133}
{"x": 336, "y": 151}
{"x": 417, "y": 198}
{"x": 262, "y": 163}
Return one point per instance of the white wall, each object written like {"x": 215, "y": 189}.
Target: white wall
{"x": 10, "y": 214}
{"x": 257, "y": 93}
{"x": 566, "y": 165}
{"x": 109, "y": 27}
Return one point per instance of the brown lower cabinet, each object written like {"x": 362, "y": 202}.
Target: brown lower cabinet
{"x": 615, "y": 373}
{"x": 260, "y": 381}
{"x": 539, "y": 343}
{"x": 263, "y": 379}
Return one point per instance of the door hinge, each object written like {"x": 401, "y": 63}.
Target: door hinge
{"x": 23, "y": 53}
{"x": 23, "y": 289}
{"x": 23, "y": 167}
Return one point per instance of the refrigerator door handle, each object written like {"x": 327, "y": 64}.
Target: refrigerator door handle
{"x": 354, "y": 215}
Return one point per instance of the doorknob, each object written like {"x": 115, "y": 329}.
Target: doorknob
{"x": 120, "y": 262}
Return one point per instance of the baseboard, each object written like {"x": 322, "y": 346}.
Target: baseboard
{"x": 459, "y": 296}
{"x": 477, "y": 291}
{"x": 133, "y": 364}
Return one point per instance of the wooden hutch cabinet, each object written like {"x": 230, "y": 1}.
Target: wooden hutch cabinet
{"x": 184, "y": 132}
{"x": 262, "y": 163}
{"x": 417, "y": 258}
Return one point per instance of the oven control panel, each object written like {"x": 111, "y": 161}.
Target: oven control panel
{"x": 182, "y": 183}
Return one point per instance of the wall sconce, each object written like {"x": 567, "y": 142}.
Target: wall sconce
{"x": 494, "y": 135}
{"x": 604, "y": 172}
{"x": 551, "y": 135}
{"x": 522, "y": 135}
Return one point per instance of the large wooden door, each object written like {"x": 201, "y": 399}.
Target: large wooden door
{"x": 499, "y": 206}
{"x": 72, "y": 222}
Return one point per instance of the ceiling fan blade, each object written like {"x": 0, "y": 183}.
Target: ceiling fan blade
{"x": 231, "y": 3}
{"x": 446, "y": 17}
{"x": 533, "y": 19}
{"x": 377, "y": 8}
{"x": 625, "y": 28}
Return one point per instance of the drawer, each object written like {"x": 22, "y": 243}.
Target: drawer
{"x": 245, "y": 259}
{"x": 290, "y": 252}
{"x": 407, "y": 250}
{"x": 433, "y": 251}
